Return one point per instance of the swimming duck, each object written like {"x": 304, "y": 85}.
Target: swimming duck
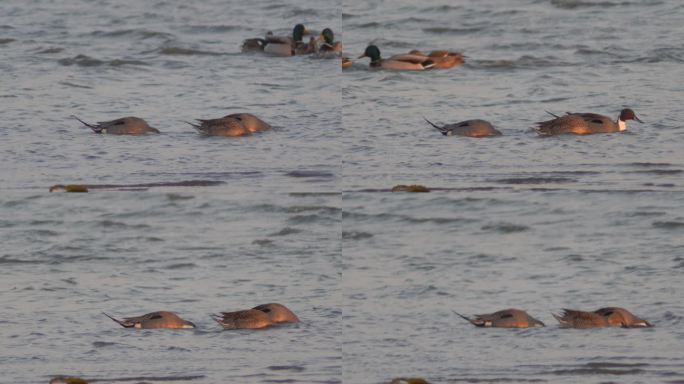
{"x": 277, "y": 45}
{"x": 507, "y": 318}
{"x": 154, "y": 320}
{"x": 470, "y": 128}
{"x": 585, "y": 123}
{"x": 123, "y": 126}
{"x": 346, "y": 63}
{"x": 442, "y": 59}
{"x": 603, "y": 317}
{"x": 246, "y": 319}
{"x": 400, "y": 63}
{"x": 329, "y": 44}
{"x": 278, "y": 313}
{"x": 236, "y": 124}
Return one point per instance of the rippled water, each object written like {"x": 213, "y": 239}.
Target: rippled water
{"x": 303, "y": 215}
{"x": 174, "y": 221}
{"x": 514, "y": 221}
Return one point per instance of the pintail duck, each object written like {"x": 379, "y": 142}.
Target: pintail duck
{"x": 154, "y": 320}
{"x": 236, "y": 124}
{"x": 246, "y": 319}
{"x": 585, "y": 123}
{"x": 397, "y": 63}
{"x": 123, "y": 126}
{"x": 470, "y": 128}
{"x": 507, "y": 318}
{"x": 329, "y": 44}
{"x": 442, "y": 59}
{"x": 603, "y": 317}
{"x": 277, "y": 45}
{"x": 278, "y": 313}
{"x": 261, "y": 316}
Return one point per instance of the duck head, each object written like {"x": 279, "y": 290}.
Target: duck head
{"x": 298, "y": 32}
{"x": 373, "y": 52}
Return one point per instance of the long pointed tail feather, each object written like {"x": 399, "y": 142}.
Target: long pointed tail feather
{"x": 95, "y": 128}
{"x": 444, "y": 131}
{"x": 121, "y": 323}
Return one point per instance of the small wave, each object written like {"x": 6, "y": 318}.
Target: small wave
{"x": 50, "y": 50}
{"x": 354, "y": 235}
{"x": 141, "y": 34}
{"x": 287, "y": 231}
{"x": 536, "y": 180}
{"x": 301, "y": 173}
{"x": 68, "y": 84}
{"x": 505, "y": 228}
{"x": 87, "y": 61}
{"x": 182, "y": 266}
{"x": 602, "y": 368}
{"x": 6, "y": 41}
{"x": 178, "y": 51}
{"x": 263, "y": 242}
{"x": 178, "y": 197}
{"x": 524, "y": 62}
{"x": 293, "y": 368}
{"x": 183, "y": 183}
{"x": 668, "y": 224}
{"x": 104, "y": 344}
{"x": 572, "y": 4}
{"x": 8, "y": 260}
{"x": 220, "y": 28}
{"x": 659, "y": 172}
{"x": 452, "y": 31}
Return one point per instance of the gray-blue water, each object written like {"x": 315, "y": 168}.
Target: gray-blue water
{"x": 302, "y": 214}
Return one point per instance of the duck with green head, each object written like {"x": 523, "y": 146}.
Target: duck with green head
{"x": 277, "y": 45}
{"x": 397, "y": 63}
{"x": 329, "y": 44}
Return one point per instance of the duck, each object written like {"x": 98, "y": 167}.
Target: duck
{"x": 397, "y": 63}
{"x": 469, "y": 128}
{"x": 245, "y": 319}
{"x": 347, "y": 63}
{"x": 124, "y": 126}
{"x": 442, "y": 59}
{"x": 72, "y": 188}
{"x": 277, "y": 313}
{"x": 585, "y": 123}
{"x": 602, "y": 317}
{"x": 507, "y": 318}
{"x": 236, "y": 124}
{"x": 277, "y": 45}
{"x": 154, "y": 320}
{"x": 329, "y": 44}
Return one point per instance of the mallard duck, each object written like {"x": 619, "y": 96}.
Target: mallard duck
{"x": 470, "y": 128}
{"x": 585, "y": 123}
{"x": 329, "y": 44}
{"x": 123, "y": 126}
{"x": 154, "y": 320}
{"x": 401, "y": 63}
{"x": 442, "y": 59}
{"x": 236, "y": 124}
{"x": 603, "y": 317}
{"x": 507, "y": 318}
{"x": 277, "y": 45}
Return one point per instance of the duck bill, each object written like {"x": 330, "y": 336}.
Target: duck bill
{"x": 362, "y": 56}
{"x": 638, "y": 119}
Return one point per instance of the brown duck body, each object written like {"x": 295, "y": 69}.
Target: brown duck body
{"x": 124, "y": 126}
{"x": 469, "y": 128}
{"x": 507, "y": 318}
{"x": 236, "y": 124}
{"x": 602, "y": 317}
{"x": 261, "y": 316}
{"x": 278, "y": 313}
{"x": 154, "y": 320}
{"x": 585, "y": 123}
{"x": 442, "y": 59}
{"x": 246, "y": 319}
